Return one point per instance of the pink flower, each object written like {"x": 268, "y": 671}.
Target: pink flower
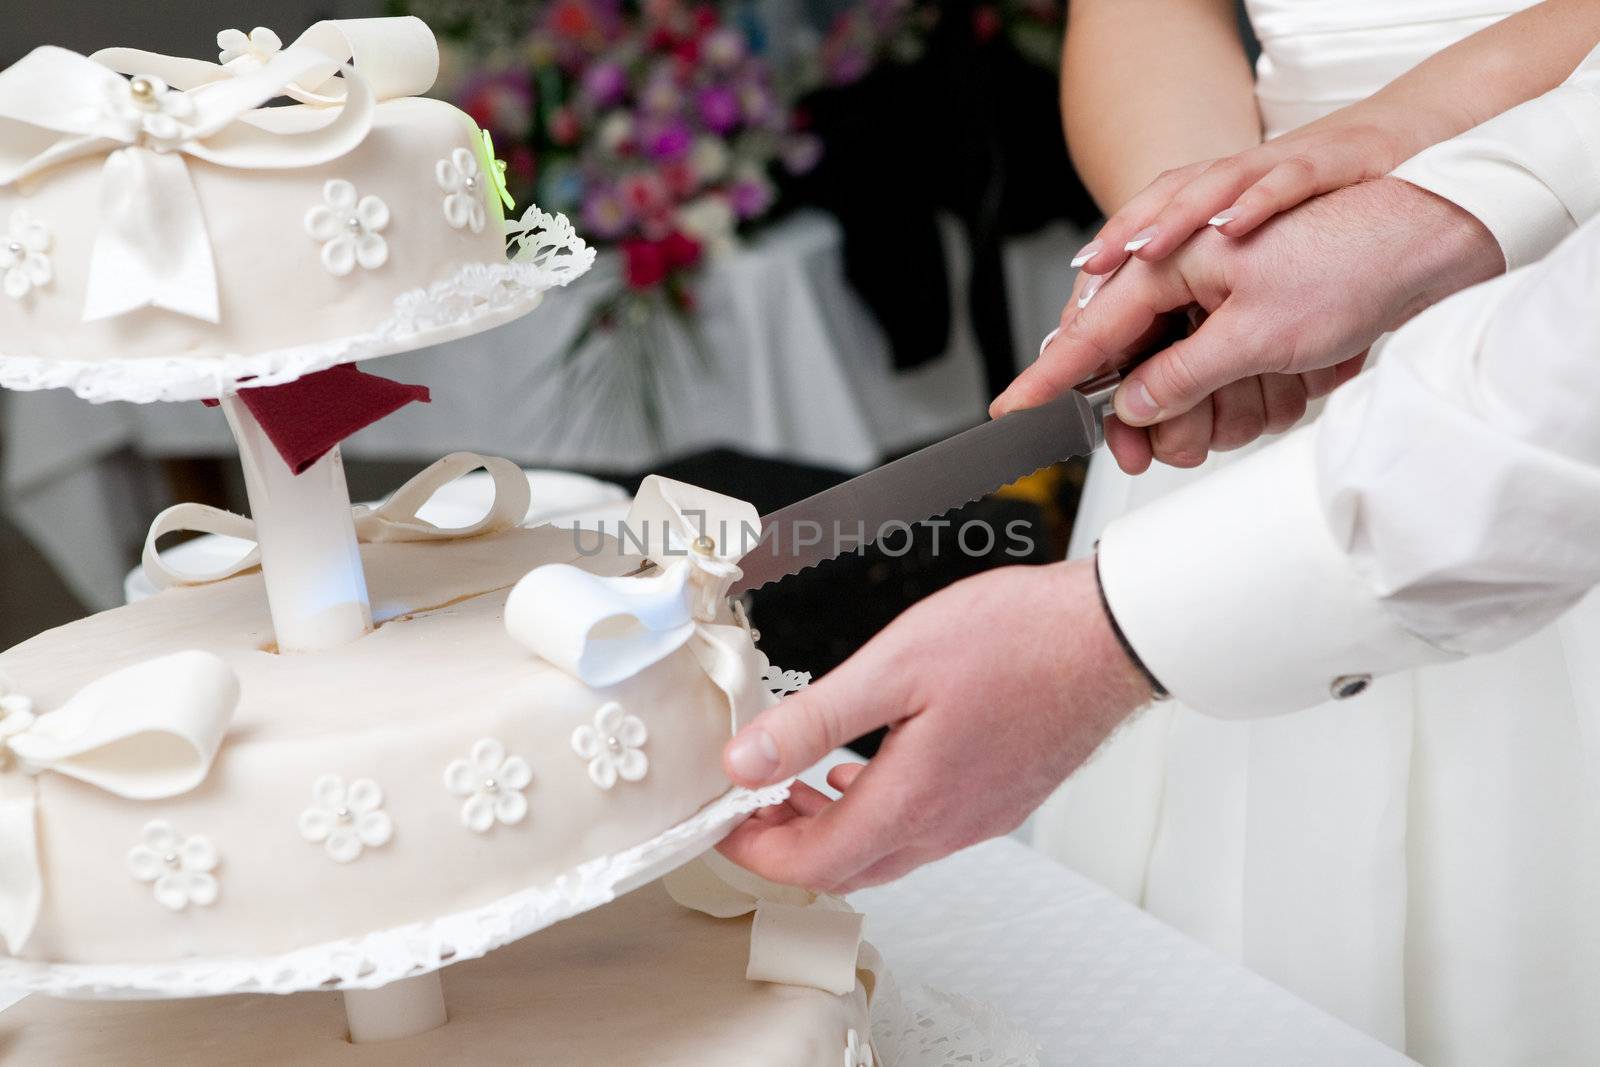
{"x": 751, "y": 197}
{"x": 605, "y": 84}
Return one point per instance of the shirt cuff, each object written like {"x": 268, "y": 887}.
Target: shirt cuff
{"x": 1234, "y": 593}
{"x": 1528, "y": 175}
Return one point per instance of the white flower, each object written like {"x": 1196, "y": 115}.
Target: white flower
{"x": 16, "y": 717}
{"x": 247, "y": 52}
{"x": 22, "y": 255}
{"x": 709, "y": 220}
{"x": 346, "y": 819}
{"x": 710, "y": 159}
{"x": 857, "y": 1052}
{"x": 179, "y": 866}
{"x": 463, "y": 184}
{"x": 146, "y": 105}
{"x": 614, "y": 131}
{"x": 781, "y": 682}
{"x": 612, "y": 745}
{"x": 349, "y": 228}
{"x": 493, "y": 783}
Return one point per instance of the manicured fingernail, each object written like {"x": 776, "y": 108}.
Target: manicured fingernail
{"x": 1140, "y": 239}
{"x": 1051, "y": 336}
{"x": 1135, "y": 401}
{"x": 1085, "y": 254}
{"x": 1224, "y": 218}
{"x": 1089, "y": 289}
{"x": 753, "y": 755}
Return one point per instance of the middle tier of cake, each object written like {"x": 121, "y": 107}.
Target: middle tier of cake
{"x": 432, "y": 768}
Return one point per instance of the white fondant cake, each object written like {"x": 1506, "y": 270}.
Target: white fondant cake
{"x": 398, "y": 708}
{"x": 639, "y": 983}
{"x": 168, "y": 245}
{"x": 533, "y": 726}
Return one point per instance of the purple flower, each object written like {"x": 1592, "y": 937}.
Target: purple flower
{"x": 801, "y": 153}
{"x": 718, "y": 107}
{"x": 750, "y": 197}
{"x": 605, "y": 213}
{"x": 669, "y": 140}
{"x": 605, "y": 83}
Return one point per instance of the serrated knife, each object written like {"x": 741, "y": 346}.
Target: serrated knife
{"x": 928, "y": 483}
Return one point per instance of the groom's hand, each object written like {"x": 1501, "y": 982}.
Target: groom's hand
{"x": 1284, "y": 316}
{"x": 993, "y": 690}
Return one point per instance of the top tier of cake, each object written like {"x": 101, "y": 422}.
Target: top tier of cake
{"x": 167, "y": 243}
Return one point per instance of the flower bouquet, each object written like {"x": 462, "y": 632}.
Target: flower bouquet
{"x": 661, "y": 125}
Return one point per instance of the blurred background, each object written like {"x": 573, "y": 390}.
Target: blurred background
{"x": 830, "y": 232}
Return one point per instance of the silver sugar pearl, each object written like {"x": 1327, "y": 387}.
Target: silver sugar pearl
{"x": 15, "y": 248}
{"x": 472, "y": 183}
{"x": 614, "y": 744}
{"x": 143, "y": 91}
{"x": 491, "y": 786}
{"x": 170, "y": 859}
{"x": 343, "y": 814}
{"x": 353, "y": 224}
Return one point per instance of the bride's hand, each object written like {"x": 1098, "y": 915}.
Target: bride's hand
{"x": 1238, "y": 193}
{"x": 1288, "y": 313}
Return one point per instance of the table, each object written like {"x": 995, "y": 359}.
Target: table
{"x": 799, "y": 370}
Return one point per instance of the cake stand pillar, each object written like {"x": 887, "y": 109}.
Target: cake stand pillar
{"x": 405, "y": 1008}
{"x": 310, "y": 560}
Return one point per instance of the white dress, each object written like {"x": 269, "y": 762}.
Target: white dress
{"x": 1422, "y": 860}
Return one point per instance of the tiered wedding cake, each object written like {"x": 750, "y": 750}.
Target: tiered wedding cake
{"x": 376, "y": 748}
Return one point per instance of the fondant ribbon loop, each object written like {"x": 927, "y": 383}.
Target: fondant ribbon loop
{"x": 145, "y": 732}
{"x": 152, "y": 248}
{"x": 397, "y": 519}
{"x": 603, "y": 631}
{"x": 797, "y": 937}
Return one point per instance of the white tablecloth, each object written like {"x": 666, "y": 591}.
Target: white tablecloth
{"x": 799, "y": 369}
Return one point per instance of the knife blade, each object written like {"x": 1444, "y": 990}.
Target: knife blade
{"x": 927, "y": 483}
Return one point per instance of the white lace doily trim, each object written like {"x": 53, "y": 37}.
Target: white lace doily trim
{"x": 472, "y": 298}
{"x": 386, "y": 956}
{"x": 927, "y": 1027}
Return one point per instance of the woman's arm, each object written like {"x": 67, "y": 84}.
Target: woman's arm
{"x": 1515, "y": 60}
{"x": 1150, "y": 85}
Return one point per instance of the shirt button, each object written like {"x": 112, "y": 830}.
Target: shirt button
{"x": 1348, "y": 685}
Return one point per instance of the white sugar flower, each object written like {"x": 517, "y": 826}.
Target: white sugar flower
{"x": 179, "y": 866}
{"x": 781, "y": 682}
{"x": 463, "y": 184}
{"x": 16, "y": 717}
{"x": 146, "y": 105}
{"x": 346, "y": 819}
{"x": 247, "y": 52}
{"x": 23, "y": 256}
{"x": 350, "y": 228}
{"x": 857, "y": 1051}
{"x": 612, "y": 746}
{"x": 493, "y": 783}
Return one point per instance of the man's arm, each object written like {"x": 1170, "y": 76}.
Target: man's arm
{"x": 1445, "y": 504}
{"x": 1532, "y": 174}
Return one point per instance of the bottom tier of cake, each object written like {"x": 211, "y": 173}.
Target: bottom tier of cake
{"x": 641, "y": 982}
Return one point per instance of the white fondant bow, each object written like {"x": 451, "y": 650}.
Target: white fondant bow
{"x": 152, "y": 248}
{"x": 604, "y": 631}
{"x": 797, "y": 938}
{"x": 145, "y": 732}
{"x": 394, "y": 520}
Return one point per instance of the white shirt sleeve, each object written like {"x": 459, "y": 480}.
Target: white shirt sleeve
{"x": 1532, "y": 174}
{"x": 1447, "y": 502}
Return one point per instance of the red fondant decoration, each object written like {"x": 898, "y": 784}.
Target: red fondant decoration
{"x": 306, "y": 418}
